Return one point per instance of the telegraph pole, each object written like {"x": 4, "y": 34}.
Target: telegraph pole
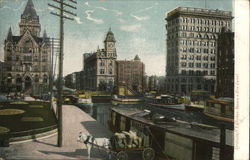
{"x": 62, "y": 4}
{"x": 54, "y": 45}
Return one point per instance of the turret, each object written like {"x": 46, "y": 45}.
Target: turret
{"x": 9, "y": 36}
{"x": 30, "y": 20}
{"x": 109, "y": 44}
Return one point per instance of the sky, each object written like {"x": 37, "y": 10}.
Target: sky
{"x": 138, "y": 27}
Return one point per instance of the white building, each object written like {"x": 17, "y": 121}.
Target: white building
{"x": 192, "y": 35}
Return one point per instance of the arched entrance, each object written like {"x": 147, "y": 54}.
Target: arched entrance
{"x": 18, "y": 83}
{"x": 27, "y": 83}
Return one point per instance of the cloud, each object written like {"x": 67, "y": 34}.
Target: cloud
{"x": 117, "y": 12}
{"x": 50, "y": 8}
{"x": 142, "y": 18}
{"x": 75, "y": 46}
{"x": 14, "y": 9}
{"x": 41, "y": 10}
{"x": 151, "y": 55}
{"x": 121, "y": 20}
{"x": 154, "y": 64}
{"x": 87, "y": 4}
{"x": 148, "y": 8}
{"x": 105, "y": 9}
{"x": 95, "y": 20}
{"x": 131, "y": 28}
{"x": 78, "y": 20}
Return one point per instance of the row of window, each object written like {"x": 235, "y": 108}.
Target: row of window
{"x": 197, "y": 50}
{"x": 102, "y": 71}
{"x": 197, "y": 65}
{"x": 27, "y": 68}
{"x": 199, "y": 21}
{"x": 26, "y": 58}
{"x": 198, "y": 29}
{"x": 197, "y": 73}
{"x": 191, "y": 35}
{"x": 25, "y": 49}
{"x": 36, "y": 79}
{"x": 102, "y": 63}
{"x": 197, "y": 43}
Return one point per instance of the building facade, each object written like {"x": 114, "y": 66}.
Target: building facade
{"x": 131, "y": 73}
{"x": 192, "y": 35}
{"x": 2, "y": 68}
{"x": 70, "y": 80}
{"x": 225, "y": 64}
{"x": 156, "y": 83}
{"x": 27, "y": 56}
{"x": 99, "y": 67}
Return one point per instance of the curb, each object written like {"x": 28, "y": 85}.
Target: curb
{"x": 17, "y": 140}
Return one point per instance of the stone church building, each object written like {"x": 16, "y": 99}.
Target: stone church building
{"x": 27, "y": 56}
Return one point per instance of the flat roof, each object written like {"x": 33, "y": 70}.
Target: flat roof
{"x": 199, "y": 12}
{"x": 194, "y": 130}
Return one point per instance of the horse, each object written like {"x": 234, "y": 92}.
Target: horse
{"x": 91, "y": 141}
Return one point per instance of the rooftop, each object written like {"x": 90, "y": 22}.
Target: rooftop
{"x": 199, "y": 11}
{"x": 196, "y": 129}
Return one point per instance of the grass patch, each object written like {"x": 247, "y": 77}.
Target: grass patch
{"x": 36, "y": 106}
{"x": 37, "y": 117}
{"x": 5, "y": 112}
{"x": 19, "y": 102}
{"x": 4, "y": 129}
{"x": 32, "y": 119}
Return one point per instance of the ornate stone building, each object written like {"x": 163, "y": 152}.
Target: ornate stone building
{"x": 192, "y": 35}
{"x": 131, "y": 73}
{"x": 99, "y": 67}
{"x": 27, "y": 56}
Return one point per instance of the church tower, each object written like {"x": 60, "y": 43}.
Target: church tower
{"x": 109, "y": 44}
{"x": 27, "y": 56}
{"x": 30, "y": 20}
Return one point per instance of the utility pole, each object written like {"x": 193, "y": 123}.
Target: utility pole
{"x": 62, "y": 16}
{"x": 54, "y": 44}
{"x": 222, "y": 141}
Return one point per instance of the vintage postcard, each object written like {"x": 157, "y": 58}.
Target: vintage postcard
{"x": 124, "y": 79}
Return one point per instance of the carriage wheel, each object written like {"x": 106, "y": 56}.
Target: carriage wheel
{"x": 148, "y": 154}
{"x": 121, "y": 155}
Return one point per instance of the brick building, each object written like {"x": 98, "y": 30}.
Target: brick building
{"x": 131, "y": 73}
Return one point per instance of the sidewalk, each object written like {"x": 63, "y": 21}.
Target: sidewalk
{"x": 74, "y": 121}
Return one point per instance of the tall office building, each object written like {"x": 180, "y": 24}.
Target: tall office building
{"x": 192, "y": 35}
{"x": 225, "y": 64}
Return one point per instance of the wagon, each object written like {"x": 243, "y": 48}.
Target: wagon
{"x": 119, "y": 153}
{"x": 147, "y": 153}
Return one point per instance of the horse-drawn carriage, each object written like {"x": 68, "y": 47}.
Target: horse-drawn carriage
{"x": 120, "y": 144}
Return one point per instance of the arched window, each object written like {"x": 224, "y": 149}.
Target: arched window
{"x": 45, "y": 79}
{"x": 36, "y": 78}
{"x": 9, "y": 78}
{"x": 18, "y": 79}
